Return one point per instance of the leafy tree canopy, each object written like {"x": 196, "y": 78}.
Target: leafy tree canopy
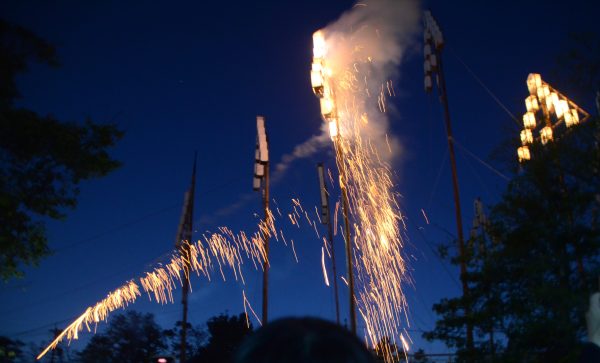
{"x": 42, "y": 159}
{"x": 132, "y": 337}
{"x": 10, "y": 350}
{"x": 226, "y": 334}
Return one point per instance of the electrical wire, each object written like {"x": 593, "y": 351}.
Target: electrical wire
{"x": 496, "y": 171}
{"x": 486, "y": 88}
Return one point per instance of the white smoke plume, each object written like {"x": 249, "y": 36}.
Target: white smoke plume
{"x": 358, "y": 57}
{"x": 304, "y": 150}
{"x": 369, "y": 42}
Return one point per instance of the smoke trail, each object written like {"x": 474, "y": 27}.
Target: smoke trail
{"x": 370, "y": 40}
{"x": 304, "y": 150}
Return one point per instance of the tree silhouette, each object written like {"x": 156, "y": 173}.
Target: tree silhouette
{"x": 130, "y": 338}
{"x": 226, "y": 334}
{"x": 10, "y": 350}
{"x": 530, "y": 283}
{"x": 42, "y": 159}
{"x": 195, "y": 340}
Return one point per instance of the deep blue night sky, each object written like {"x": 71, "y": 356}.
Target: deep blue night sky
{"x": 180, "y": 77}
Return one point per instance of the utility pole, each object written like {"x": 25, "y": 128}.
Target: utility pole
{"x": 434, "y": 43}
{"x": 261, "y": 178}
{"x": 326, "y": 219}
{"x": 184, "y": 239}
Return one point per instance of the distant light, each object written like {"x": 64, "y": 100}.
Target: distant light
{"x": 162, "y": 360}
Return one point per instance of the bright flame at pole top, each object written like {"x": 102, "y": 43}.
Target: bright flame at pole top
{"x": 319, "y": 45}
{"x": 320, "y": 77}
{"x": 349, "y": 75}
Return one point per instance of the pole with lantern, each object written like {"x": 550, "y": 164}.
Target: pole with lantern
{"x": 261, "y": 181}
{"x": 433, "y": 45}
{"x": 323, "y": 87}
{"x": 556, "y": 110}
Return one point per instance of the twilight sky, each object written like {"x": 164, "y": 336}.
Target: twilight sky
{"x": 179, "y": 77}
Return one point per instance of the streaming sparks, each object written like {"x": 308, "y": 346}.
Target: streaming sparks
{"x": 346, "y": 103}
{"x": 223, "y": 249}
{"x": 119, "y": 298}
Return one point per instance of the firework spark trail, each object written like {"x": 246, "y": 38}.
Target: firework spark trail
{"x": 223, "y": 248}
{"x": 358, "y": 55}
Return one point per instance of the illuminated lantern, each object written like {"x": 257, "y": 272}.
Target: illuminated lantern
{"x": 526, "y": 137}
{"x": 327, "y": 107}
{"x": 532, "y": 104}
{"x": 529, "y": 120}
{"x": 546, "y": 134}
{"x": 543, "y": 91}
{"x": 318, "y": 44}
{"x": 534, "y": 80}
{"x": 333, "y": 131}
{"x": 523, "y": 153}
{"x": 551, "y": 101}
{"x": 561, "y": 107}
{"x": 316, "y": 79}
{"x": 575, "y": 116}
{"x": 568, "y": 116}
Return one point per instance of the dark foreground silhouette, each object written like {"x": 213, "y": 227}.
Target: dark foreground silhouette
{"x": 296, "y": 340}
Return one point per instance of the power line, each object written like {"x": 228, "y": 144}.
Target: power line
{"x": 494, "y": 97}
{"x": 438, "y": 257}
{"x": 480, "y": 160}
{"x": 117, "y": 228}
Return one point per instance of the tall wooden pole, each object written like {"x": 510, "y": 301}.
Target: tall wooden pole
{"x": 265, "y": 292}
{"x": 327, "y": 220}
{"x": 347, "y": 236}
{"x": 185, "y": 239}
{"x": 459, "y": 226}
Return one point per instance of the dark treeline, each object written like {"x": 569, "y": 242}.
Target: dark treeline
{"x": 134, "y": 337}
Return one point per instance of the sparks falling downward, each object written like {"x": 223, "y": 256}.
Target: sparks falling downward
{"x": 350, "y": 74}
{"x": 323, "y": 87}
